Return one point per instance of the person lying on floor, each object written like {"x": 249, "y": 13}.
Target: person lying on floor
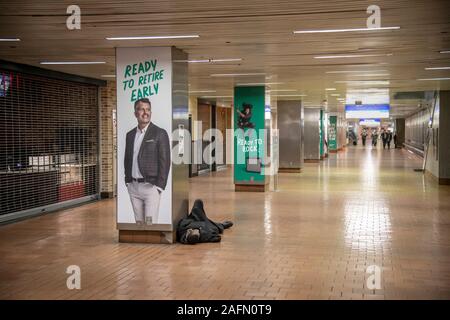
{"x": 197, "y": 227}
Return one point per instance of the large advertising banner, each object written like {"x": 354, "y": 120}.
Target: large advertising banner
{"x": 367, "y": 111}
{"x": 332, "y": 133}
{"x": 249, "y": 108}
{"x": 144, "y": 127}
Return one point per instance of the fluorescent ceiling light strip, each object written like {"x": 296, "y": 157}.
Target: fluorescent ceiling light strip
{"x": 108, "y": 75}
{"x": 9, "y": 39}
{"x": 431, "y": 79}
{"x": 438, "y": 68}
{"x": 346, "y": 30}
{"x": 193, "y": 61}
{"x": 330, "y": 89}
{"x": 226, "y": 60}
{"x": 236, "y": 74}
{"x": 353, "y": 56}
{"x": 356, "y": 71}
{"x": 335, "y": 95}
{"x": 444, "y": 51}
{"x": 209, "y": 60}
{"x": 73, "y": 62}
{"x": 202, "y": 91}
{"x": 153, "y": 37}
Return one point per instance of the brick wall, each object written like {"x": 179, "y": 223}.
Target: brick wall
{"x": 107, "y": 106}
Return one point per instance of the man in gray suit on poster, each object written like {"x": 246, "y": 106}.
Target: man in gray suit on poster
{"x": 147, "y": 164}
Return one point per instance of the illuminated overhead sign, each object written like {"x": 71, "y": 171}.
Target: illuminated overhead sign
{"x": 370, "y": 122}
{"x": 367, "y": 111}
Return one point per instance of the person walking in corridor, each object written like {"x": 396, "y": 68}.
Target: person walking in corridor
{"x": 374, "y": 138}
{"x": 384, "y": 138}
{"x": 364, "y": 137}
{"x": 389, "y": 139}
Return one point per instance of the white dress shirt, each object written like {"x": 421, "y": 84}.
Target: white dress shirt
{"x": 135, "y": 172}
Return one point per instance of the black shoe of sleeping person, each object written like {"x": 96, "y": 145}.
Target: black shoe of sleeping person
{"x": 227, "y": 224}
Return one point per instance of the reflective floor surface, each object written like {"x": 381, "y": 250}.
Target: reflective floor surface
{"x": 330, "y": 232}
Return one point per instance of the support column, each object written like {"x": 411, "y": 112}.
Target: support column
{"x": 291, "y": 126}
{"x": 442, "y": 137}
{"x": 332, "y": 134}
{"x": 250, "y": 139}
{"x": 400, "y": 131}
{"x": 312, "y": 135}
{"x": 158, "y": 74}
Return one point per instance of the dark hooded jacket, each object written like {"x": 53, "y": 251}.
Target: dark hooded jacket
{"x": 209, "y": 231}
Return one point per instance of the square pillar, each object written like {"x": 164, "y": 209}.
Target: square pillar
{"x": 160, "y": 75}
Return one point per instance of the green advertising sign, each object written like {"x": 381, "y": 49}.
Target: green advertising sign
{"x": 332, "y": 133}
{"x": 249, "y": 135}
{"x": 322, "y": 149}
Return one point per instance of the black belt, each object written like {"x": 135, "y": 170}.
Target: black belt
{"x": 139, "y": 180}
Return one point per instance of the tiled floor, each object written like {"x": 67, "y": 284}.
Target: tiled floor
{"x": 312, "y": 239}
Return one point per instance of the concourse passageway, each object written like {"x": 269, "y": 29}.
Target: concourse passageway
{"x": 314, "y": 237}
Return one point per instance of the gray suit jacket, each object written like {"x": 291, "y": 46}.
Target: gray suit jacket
{"x": 153, "y": 158}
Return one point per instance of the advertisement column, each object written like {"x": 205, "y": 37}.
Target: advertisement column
{"x": 332, "y": 134}
{"x": 249, "y": 150}
{"x": 144, "y": 136}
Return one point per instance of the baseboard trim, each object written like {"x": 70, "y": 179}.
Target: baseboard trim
{"x": 289, "y": 170}
{"x": 143, "y": 236}
{"x": 251, "y": 187}
{"x": 312, "y": 160}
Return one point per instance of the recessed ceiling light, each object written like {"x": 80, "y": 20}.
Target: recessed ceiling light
{"x": 432, "y": 79}
{"x": 236, "y": 74}
{"x": 9, "y": 39}
{"x": 72, "y": 62}
{"x": 353, "y": 56}
{"x": 438, "y": 68}
{"x": 346, "y": 30}
{"x": 153, "y": 37}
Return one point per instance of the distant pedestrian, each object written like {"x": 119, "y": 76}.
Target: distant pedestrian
{"x": 384, "y": 138}
{"x": 374, "y": 138}
{"x": 389, "y": 139}
{"x": 364, "y": 137}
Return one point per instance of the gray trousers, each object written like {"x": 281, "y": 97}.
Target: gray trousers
{"x": 145, "y": 201}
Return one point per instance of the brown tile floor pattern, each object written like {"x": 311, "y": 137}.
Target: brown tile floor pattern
{"x": 311, "y": 239}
